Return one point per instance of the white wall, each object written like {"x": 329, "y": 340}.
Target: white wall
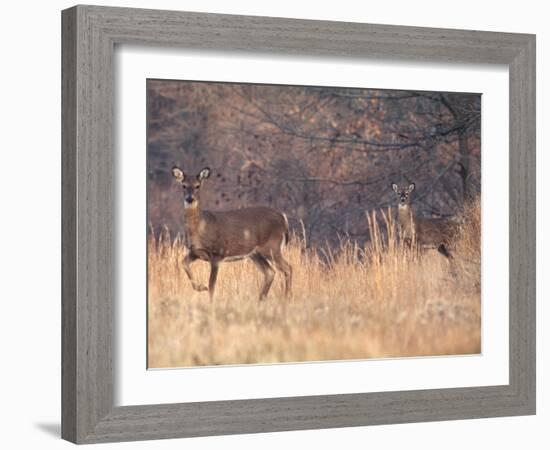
{"x": 30, "y": 221}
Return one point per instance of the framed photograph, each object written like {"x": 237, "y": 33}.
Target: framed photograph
{"x": 328, "y": 162}
{"x": 268, "y": 222}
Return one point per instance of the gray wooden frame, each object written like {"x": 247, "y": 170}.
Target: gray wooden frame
{"x": 89, "y": 36}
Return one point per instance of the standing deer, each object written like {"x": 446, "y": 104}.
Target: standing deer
{"x": 435, "y": 233}
{"x": 258, "y": 233}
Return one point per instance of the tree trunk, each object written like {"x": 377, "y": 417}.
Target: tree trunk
{"x": 464, "y": 170}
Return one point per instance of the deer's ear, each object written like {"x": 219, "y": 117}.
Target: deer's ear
{"x": 178, "y": 174}
{"x": 394, "y": 187}
{"x": 411, "y": 187}
{"x": 204, "y": 174}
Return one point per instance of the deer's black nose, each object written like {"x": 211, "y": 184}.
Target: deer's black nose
{"x": 189, "y": 199}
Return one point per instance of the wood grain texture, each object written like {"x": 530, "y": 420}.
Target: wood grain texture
{"x": 88, "y": 206}
{"x": 68, "y": 225}
{"x": 89, "y": 203}
{"x": 522, "y": 282}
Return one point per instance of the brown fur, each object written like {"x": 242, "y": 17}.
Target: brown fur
{"x": 437, "y": 233}
{"x": 218, "y": 236}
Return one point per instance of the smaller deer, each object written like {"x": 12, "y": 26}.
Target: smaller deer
{"x": 258, "y": 233}
{"x": 427, "y": 233}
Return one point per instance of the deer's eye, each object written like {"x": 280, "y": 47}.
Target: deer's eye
{"x": 197, "y": 186}
{"x": 184, "y": 186}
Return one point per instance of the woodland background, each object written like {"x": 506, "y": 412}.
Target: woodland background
{"x": 323, "y": 155}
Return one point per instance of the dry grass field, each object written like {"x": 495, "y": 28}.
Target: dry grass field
{"x": 350, "y": 303}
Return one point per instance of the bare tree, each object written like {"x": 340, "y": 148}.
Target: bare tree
{"x": 323, "y": 155}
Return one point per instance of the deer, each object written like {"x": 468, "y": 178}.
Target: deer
{"x": 426, "y": 233}
{"x": 258, "y": 233}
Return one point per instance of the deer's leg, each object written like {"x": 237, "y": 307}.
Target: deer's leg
{"x": 263, "y": 264}
{"x": 408, "y": 241}
{"x": 282, "y": 265}
{"x": 187, "y": 260}
{"x": 413, "y": 247}
{"x": 442, "y": 248}
{"x": 214, "y": 266}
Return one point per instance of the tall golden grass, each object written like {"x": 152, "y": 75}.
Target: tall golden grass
{"x": 377, "y": 301}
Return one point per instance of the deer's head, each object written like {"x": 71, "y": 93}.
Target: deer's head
{"x": 191, "y": 186}
{"x": 404, "y": 194}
